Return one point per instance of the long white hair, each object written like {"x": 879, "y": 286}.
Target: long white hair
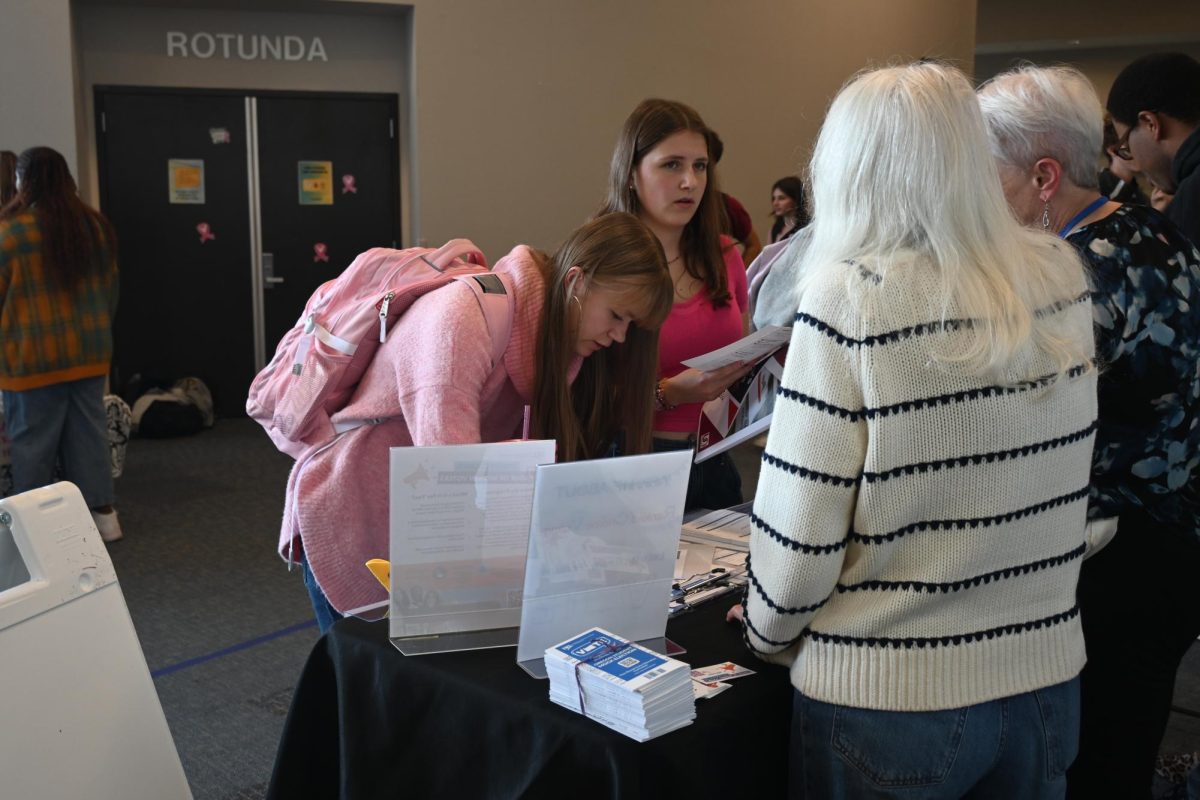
{"x": 902, "y": 173}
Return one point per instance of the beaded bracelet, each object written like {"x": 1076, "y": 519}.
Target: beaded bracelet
{"x": 660, "y": 399}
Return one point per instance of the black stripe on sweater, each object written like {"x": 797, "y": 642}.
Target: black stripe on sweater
{"x": 882, "y": 338}
{"x": 921, "y": 329}
{"x": 976, "y": 522}
{"x": 981, "y": 458}
{"x": 1054, "y": 308}
{"x": 978, "y": 580}
{"x": 805, "y": 472}
{"x": 749, "y": 626}
{"x": 778, "y": 609}
{"x": 820, "y": 405}
{"x": 929, "y": 402}
{"x": 944, "y": 641}
{"x": 815, "y": 549}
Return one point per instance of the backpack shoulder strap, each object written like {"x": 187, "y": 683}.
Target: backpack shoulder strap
{"x": 494, "y": 292}
{"x": 455, "y": 249}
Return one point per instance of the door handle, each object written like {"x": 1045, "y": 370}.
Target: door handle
{"x": 268, "y": 268}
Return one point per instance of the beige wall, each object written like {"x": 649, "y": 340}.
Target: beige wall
{"x": 1099, "y": 37}
{"x": 1101, "y": 65}
{"x": 37, "y": 84}
{"x": 1094, "y": 22}
{"x": 517, "y": 104}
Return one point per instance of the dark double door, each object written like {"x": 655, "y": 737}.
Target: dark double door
{"x": 231, "y": 208}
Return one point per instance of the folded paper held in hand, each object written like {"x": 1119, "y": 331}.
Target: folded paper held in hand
{"x": 746, "y": 350}
{"x": 743, "y": 411}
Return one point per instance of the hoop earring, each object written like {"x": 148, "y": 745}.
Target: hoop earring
{"x": 1046, "y": 217}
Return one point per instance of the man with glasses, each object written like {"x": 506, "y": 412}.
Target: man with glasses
{"x": 1118, "y": 181}
{"x": 1155, "y": 108}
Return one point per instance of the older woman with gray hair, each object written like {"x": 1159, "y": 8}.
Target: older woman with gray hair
{"x": 1139, "y": 597}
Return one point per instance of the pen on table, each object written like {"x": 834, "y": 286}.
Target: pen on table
{"x": 682, "y": 588}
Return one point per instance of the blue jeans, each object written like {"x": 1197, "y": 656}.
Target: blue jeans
{"x": 1015, "y": 747}
{"x": 64, "y": 423}
{"x": 326, "y": 613}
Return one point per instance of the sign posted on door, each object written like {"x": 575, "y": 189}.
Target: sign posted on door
{"x": 185, "y": 178}
{"x": 316, "y": 182}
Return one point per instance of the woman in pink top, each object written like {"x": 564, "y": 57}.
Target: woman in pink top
{"x": 581, "y": 356}
{"x": 662, "y": 172}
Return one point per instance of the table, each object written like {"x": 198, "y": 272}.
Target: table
{"x": 367, "y": 721}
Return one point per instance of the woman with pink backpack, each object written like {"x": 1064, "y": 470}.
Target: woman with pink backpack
{"x": 579, "y": 367}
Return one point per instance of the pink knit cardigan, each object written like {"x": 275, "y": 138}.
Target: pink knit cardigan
{"x": 433, "y": 382}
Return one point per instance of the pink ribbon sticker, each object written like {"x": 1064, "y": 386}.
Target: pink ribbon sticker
{"x": 348, "y": 184}
{"x": 205, "y": 232}
{"x": 320, "y": 252}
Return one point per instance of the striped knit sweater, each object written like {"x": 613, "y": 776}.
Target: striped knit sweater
{"x": 918, "y": 531}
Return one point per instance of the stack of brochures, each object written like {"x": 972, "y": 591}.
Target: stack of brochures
{"x": 621, "y": 684}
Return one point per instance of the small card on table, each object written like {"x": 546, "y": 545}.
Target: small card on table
{"x": 725, "y": 671}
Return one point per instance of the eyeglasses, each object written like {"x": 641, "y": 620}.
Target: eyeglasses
{"x": 1122, "y": 149}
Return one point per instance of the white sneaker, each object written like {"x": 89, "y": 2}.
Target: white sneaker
{"x": 107, "y": 524}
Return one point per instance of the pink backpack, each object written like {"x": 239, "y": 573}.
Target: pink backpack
{"x": 321, "y": 360}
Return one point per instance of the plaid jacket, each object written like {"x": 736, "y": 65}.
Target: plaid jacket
{"x": 49, "y": 335}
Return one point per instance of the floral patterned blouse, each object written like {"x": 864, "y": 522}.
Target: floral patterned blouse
{"x": 1146, "y": 306}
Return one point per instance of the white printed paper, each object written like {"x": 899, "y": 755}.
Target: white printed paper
{"x": 459, "y": 529}
{"x": 749, "y": 349}
{"x": 743, "y": 411}
{"x": 728, "y": 528}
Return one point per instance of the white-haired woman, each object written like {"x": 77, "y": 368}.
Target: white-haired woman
{"x": 1139, "y": 596}
{"x": 920, "y": 517}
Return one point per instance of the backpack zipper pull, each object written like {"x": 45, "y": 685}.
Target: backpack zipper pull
{"x": 383, "y": 309}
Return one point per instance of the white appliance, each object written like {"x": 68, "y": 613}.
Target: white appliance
{"x": 79, "y": 716}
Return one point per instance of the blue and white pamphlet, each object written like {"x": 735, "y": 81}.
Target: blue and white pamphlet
{"x": 621, "y": 684}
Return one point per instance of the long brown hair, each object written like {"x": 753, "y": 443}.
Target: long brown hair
{"x": 612, "y": 397}
{"x": 651, "y": 122}
{"x": 8, "y": 177}
{"x": 77, "y": 241}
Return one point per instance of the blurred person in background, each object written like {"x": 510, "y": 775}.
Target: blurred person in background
{"x": 737, "y": 222}
{"x": 58, "y": 294}
{"x": 787, "y": 207}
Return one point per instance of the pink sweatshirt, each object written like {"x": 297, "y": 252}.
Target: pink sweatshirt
{"x": 434, "y": 383}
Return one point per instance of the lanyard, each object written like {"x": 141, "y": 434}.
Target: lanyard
{"x": 1070, "y": 226}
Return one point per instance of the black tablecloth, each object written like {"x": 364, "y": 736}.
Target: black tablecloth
{"x": 368, "y": 722}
